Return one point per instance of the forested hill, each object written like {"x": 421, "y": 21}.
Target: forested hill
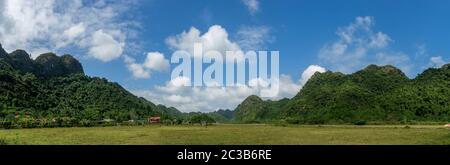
{"x": 375, "y": 94}
{"x": 54, "y": 86}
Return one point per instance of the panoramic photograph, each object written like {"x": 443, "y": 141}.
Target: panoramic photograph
{"x": 219, "y": 73}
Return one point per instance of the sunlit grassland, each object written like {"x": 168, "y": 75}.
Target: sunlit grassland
{"x": 232, "y": 134}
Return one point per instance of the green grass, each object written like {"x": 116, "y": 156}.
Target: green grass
{"x": 231, "y": 134}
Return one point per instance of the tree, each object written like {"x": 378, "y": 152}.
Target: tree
{"x": 202, "y": 119}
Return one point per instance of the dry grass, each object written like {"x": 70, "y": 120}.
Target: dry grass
{"x": 232, "y": 134}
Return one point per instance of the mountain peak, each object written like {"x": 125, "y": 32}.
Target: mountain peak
{"x": 253, "y": 98}
{"x": 20, "y": 54}
{"x": 380, "y": 71}
{"x": 21, "y": 60}
{"x": 3, "y": 53}
{"x": 446, "y": 66}
{"x": 46, "y": 56}
{"x": 46, "y": 65}
{"x": 53, "y": 65}
{"x": 71, "y": 64}
{"x": 384, "y": 69}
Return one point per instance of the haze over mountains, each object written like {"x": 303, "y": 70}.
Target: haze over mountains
{"x": 56, "y": 86}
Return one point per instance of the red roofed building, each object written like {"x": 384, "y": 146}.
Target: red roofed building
{"x": 154, "y": 119}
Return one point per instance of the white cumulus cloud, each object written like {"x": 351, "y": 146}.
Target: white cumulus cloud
{"x": 71, "y": 34}
{"x": 156, "y": 61}
{"x": 179, "y": 94}
{"x": 190, "y": 99}
{"x": 359, "y": 45}
{"x": 309, "y": 72}
{"x": 91, "y": 26}
{"x": 437, "y": 62}
{"x": 104, "y": 47}
{"x": 216, "y": 39}
{"x": 138, "y": 71}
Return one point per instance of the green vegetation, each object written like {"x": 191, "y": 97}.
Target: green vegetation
{"x": 202, "y": 119}
{"x": 373, "y": 95}
{"x": 231, "y": 134}
{"x": 53, "y": 91}
{"x": 221, "y": 116}
{"x": 255, "y": 110}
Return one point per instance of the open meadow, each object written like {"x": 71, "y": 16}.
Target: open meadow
{"x": 241, "y": 134}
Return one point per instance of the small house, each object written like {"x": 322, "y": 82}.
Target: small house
{"x": 154, "y": 119}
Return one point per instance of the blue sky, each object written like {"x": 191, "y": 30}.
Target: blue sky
{"x": 300, "y": 28}
{"x": 412, "y": 35}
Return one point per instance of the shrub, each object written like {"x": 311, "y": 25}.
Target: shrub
{"x": 317, "y": 121}
{"x": 281, "y": 124}
{"x": 86, "y": 123}
{"x": 360, "y": 122}
{"x": 6, "y": 124}
{"x": 292, "y": 121}
{"x": 129, "y": 123}
{"x": 26, "y": 122}
{"x": 3, "y": 142}
{"x": 167, "y": 122}
{"x": 65, "y": 122}
{"x": 106, "y": 124}
{"x": 44, "y": 123}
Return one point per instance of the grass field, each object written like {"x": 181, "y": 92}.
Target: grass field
{"x": 231, "y": 134}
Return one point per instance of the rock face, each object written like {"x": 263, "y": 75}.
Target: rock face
{"x": 46, "y": 65}
{"x": 21, "y": 60}
{"x": 50, "y": 65}
{"x": 71, "y": 64}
